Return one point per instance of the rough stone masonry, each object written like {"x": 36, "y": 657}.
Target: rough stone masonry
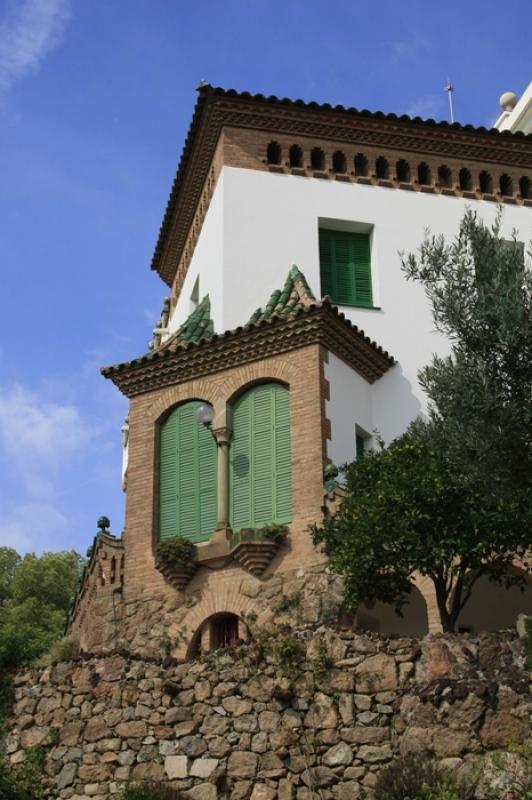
{"x": 302, "y": 715}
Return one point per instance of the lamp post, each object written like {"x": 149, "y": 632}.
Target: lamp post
{"x": 222, "y": 435}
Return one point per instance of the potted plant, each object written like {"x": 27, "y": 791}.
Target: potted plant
{"x": 176, "y": 558}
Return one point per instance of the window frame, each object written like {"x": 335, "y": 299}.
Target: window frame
{"x": 328, "y": 227}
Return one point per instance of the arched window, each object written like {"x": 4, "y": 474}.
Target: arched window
{"x": 506, "y": 185}
{"x": 382, "y": 168}
{"x": 296, "y": 156}
{"x": 361, "y": 165}
{"x": 187, "y": 476}
{"x": 424, "y": 176}
{"x": 402, "y": 170}
{"x": 445, "y": 176}
{"x": 465, "y": 179}
{"x": 485, "y": 182}
{"x": 317, "y": 159}
{"x": 260, "y": 458}
{"x": 223, "y": 629}
{"x": 273, "y": 153}
{"x": 339, "y": 162}
{"x": 525, "y": 188}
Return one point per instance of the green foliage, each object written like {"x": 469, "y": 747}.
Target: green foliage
{"x": 286, "y": 650}
{"x": 481, "y": 294}
{"x": 36, "y": 592}
{"x": 6, "y": 696}
{"x": 63, "y": 650}
{"x": 9, "y": 561}
{"x": 287, "y": 603}
{"x": 176, "y": 551}
{"x": 322, "y": 662}
{"x": 452, "y": 497}
{"x": 527, "y": 641}
{"x": 410, "y": 778}
{"x": 150, "y": 790}
{"x": 408, "y": 509}
{"x": 24, "y": 782}
{"x": 275, "y": 531}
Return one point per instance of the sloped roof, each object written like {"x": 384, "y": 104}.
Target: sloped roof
{"x": 197, "y": 326}
{"x": 294, "y": 296}
{"x": 292, "y": 318}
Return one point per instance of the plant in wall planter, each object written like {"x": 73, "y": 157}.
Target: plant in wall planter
{"x": 176, "y": 558}
{"x": 254, "y": 548}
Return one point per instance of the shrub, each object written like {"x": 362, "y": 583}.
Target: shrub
{"x": 275, "y": 532}
{"x": 410, "y": 778}
{"x": 150, "y": 790}
{"x": 176, "y": 551}
{"x": 64, "y": 650}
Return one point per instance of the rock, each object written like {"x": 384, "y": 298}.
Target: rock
{"x": 176, "y": 767}
{"x": 177, "y": 714}
{"x": 365, "y": 735}
{"x": 376, "y": 674}
{"x": 203, "y": 791}
{"x": 111, "y": 669}
{"x": 269, "y": 721}
{"x": 416, "y": 740}
{"x": 321, "y": 776}
{"x": 521, "y": 625}
{"x": 322, "y": 713}
{"x": 263, "y": 792}
{"x": 241, "y": 790}
{"x": 375, "y": 755}
{"x": 339, "y": 755}
{"x": 242, "y": 765}
{"x": 285, "y": 789}
{"x": 186, "y": 728}
{"x": 345, "y": 707}
{"x": 501, "y": 730}
{"x": 66, "y": 776}
{"x": 436, "y": 662}
{"x": 33, "y": 736}
{"x": 450, "y": 742}
{"x": 250, "y": 587}
{"x": 135, "y": 729}
{"x": 236, "y": 706}
{"x": 347, "y": 790}
{"x": 271, "y": 766}
{"x": 193, "y": 746}
{"x": 203, "y": 767}
{"x": 362, "y": 702}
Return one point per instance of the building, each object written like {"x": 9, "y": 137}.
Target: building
{"x": 291, "y": 331}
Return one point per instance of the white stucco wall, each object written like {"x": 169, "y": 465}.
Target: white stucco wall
{"x": 259, "y": 224}
{"x": 271, "y": 221}
{"x": 349, "y": 406}
{"x": 207, "y": 263}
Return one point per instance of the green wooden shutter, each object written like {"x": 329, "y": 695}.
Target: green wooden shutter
{"x": 345, "y": 267}
{"x": 168, "y": 477}
{"x": 187, "y": 476}
{"x": 260, "y": 476}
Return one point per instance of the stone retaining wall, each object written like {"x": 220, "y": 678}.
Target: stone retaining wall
{"x": 297, "y": 716}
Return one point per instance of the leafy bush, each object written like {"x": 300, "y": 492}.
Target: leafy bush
{"x": 64, "y": 650}
{"x": 35, "y": 592}
{"x": 176, "y": 551}
{"x": 275, "y": 532}
{"x": 287, "y": 603}
{"x": 24, "y": 782}
{"x": 410, "y": 778}
{"x": 149, "y": 790}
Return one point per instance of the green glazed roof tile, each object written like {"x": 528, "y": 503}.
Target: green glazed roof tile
{"x": 294, "y": 296}
{"x": 197, "y": 326}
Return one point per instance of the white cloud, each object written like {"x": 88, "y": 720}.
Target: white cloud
{"x": 27, "y": 33}
{"x": 39, "y": 438}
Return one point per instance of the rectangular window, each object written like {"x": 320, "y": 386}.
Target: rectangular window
{"x": 345, "y": 267}
{"x": 360, "y": 445}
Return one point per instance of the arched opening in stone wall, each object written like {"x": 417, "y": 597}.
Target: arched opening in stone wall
{"x": 492, "y": 607}
{"x": 296, "y": 156}
{"x": 402, "y": 171}
{"x": 382, "y": 618}
{"x": 273, "y": 153}
{"x": 217, "y": 632}
{"x": 361, "y": 165}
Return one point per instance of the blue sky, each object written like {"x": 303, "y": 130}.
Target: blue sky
{"x": 95, "y": 100}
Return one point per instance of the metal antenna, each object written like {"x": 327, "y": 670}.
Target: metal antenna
{"x": 449, "y": 88}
